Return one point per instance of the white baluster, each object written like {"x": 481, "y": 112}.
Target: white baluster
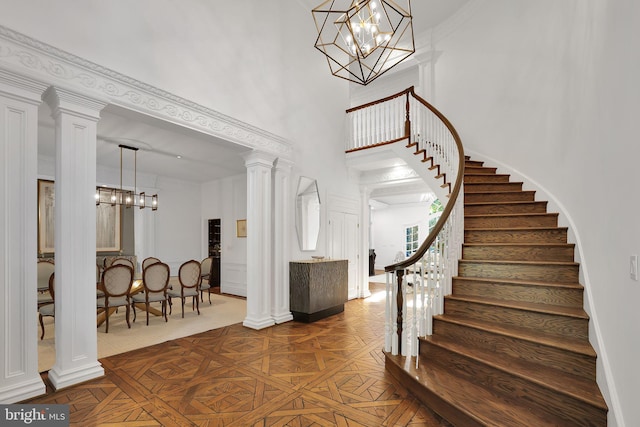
{"x": 415, "y": 317}
{"x": 388, "y": 315}
{"x": 394, "y": 314}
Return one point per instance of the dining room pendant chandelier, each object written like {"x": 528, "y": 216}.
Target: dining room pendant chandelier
{"x": 362, "y": 39}
{"x": 126, "y": 198}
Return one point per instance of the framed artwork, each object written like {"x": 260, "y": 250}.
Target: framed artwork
{"x": 46, "y": 216}
{"x": 241, "y": 228}
{"x": 107, "y": 222}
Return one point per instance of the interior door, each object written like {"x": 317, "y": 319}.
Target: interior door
{"x": 343, "y": 244}
{"x": 351, "y": 251}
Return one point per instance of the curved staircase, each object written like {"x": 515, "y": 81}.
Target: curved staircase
{"x": 512, "y": 347}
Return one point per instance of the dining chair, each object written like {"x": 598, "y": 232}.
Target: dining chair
{"x": 45, "y": 270}
{"x": 99, "y": 293}
{"x": 205, "y": 278}
{"x": 116, "y": 284}
{"x": 155, "y": 283}
{"x": 49, "y": 308}
{"x": 148, "y": 261}
{"x": 189, "y": 278}
{"x": 123, "y": 261}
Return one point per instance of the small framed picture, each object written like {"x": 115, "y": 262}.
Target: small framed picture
{"x": 241, "y": 228}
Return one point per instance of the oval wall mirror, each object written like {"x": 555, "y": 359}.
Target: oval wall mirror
{"x": 307, "y": 213}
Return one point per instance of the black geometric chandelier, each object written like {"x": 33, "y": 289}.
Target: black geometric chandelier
{"x": 364, "y": 39}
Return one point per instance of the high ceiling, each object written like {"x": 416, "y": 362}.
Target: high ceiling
{"x": 203, "y": 158}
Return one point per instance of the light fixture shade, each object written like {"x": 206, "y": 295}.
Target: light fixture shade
{"x": 364, "y": 39}
{"x": 126, "y": 198}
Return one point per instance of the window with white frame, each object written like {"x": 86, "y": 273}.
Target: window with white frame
{"x": 411, "y": 240}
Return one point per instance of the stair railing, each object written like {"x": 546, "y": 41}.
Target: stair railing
{"x": 416, "y": 286}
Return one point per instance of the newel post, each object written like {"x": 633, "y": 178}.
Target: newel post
{"x": 407, "y": 121}
{"x": 400, "y": 304}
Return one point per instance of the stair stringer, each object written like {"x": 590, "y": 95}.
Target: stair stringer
{"x": 422, "y": 169}
{"x": 604, "y": 375}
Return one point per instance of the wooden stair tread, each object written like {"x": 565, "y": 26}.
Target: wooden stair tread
{"x": 496, "y": 192}
{"x": 567, "y": 285}
{"x": 558, "y": 310}
{"x": 573, "y": 345}
{"x": 507, "y": 203}
{"x": 490, "y": 182}
{"x": 514, "y": 214}
{"x": 516, "y": 228}
{"x": 534, "y": 244}
{"x": 514, "y": 262}
{"x": 474, "y": 401}
{"x": 562, "y": 382}
{"x": 482, "y": 174}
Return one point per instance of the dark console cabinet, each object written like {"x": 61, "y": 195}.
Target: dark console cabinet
{"x": 317, "y": 288}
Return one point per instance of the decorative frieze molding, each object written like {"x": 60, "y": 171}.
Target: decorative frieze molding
{"x": 23, "y": 54}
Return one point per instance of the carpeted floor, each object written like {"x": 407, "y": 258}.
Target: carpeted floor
{"x": 222, "y": 311}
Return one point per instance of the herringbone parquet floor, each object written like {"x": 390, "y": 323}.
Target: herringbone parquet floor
{"x": 327, "y": 373}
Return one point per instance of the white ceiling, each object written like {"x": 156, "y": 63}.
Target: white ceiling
{"x": 203, "y": 157}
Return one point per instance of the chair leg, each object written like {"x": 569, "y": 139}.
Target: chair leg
{"x": 170, "y": 306}
{"x": 164, "y": 310}
{"x": 209, "y": 292}
{"x": 197, "y": 305}
{"x": 133, "y": 304}
{"x": 106, "y": 309}
{"x": 147, "y": 313}
{"x": 42, "y": 326}
{"x": 127, "y": 315}
{"x": 182, "y": 307}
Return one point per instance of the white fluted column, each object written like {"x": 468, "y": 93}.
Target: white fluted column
{"x": 259, "y": 240}
{"x": 426, "y": 59}
{"x": 280, "y": 310}
{"x": 365, "y": 214}
{"x": 19, "y": 100}
{"x": 76, "y": 117}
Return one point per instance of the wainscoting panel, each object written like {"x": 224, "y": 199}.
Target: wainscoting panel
{"x": 233, "y": 279}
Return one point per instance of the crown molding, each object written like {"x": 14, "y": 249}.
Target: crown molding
{"x": 25, "y": 55}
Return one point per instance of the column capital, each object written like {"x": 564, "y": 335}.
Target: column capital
{"x": 259, "y": 158}
{"x": 64, "y": 100}
{"x": 283, "y": 164}
{"x": 18, "y": 85}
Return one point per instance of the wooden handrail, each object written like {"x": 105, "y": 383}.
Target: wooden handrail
{"x": 380, "y": 101}
{"x": 453, "y": 196}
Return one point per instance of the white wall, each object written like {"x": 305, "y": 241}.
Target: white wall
{"x": 551, "y": 89}
{"x": 177, "y": 223}
{"x": 388, "y": 230}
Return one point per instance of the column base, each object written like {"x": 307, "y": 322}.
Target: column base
{"x": 283, "y": 318}
{"x": 75, "y": 376}
{"x": 258, "y": 323}
{"x": 23, "y": 391}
